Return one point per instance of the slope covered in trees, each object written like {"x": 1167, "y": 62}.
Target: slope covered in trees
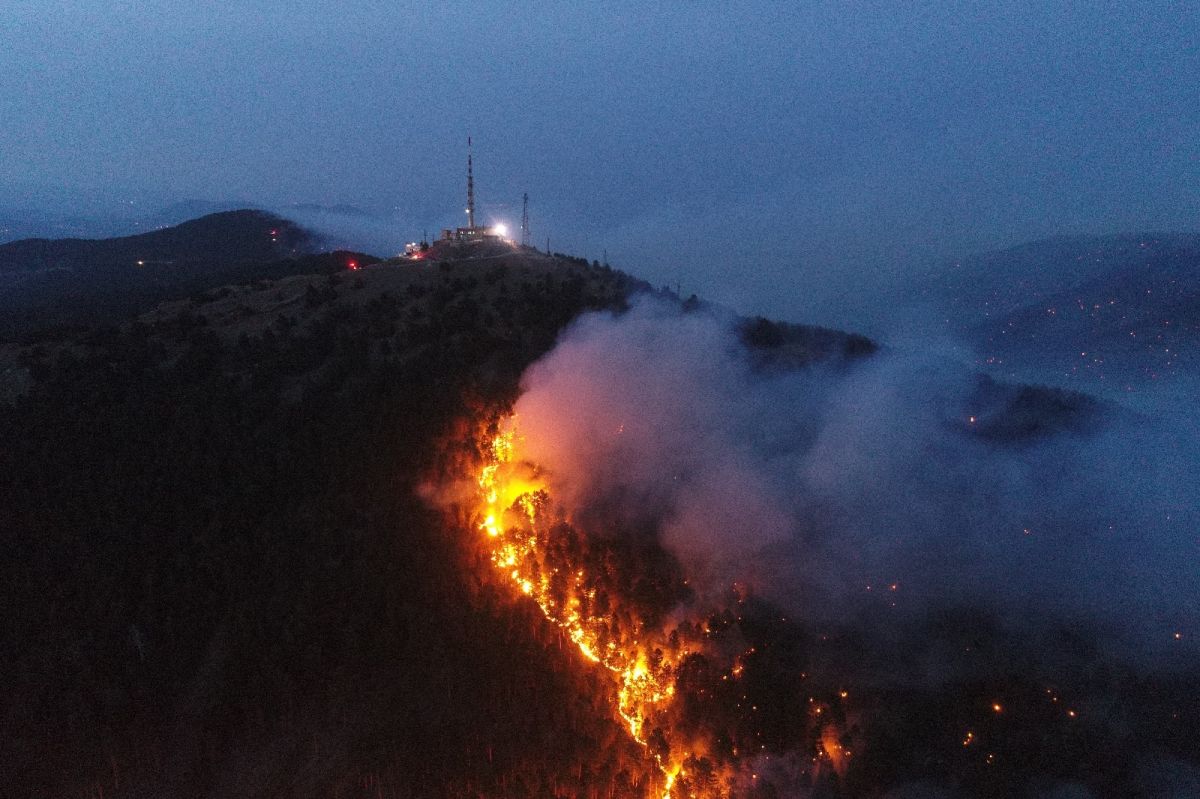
{"x": 219, "y": 576}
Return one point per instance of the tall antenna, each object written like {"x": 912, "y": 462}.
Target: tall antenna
{"x": 470, "y": 188}
{"x": 525, "y": 220}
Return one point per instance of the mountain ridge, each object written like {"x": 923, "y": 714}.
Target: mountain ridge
{"x": 1113, "y": 314}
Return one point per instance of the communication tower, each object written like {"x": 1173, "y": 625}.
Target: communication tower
{"x": 470, "y": 189}
{"x": 525, "y": 220}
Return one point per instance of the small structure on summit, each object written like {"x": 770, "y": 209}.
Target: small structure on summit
{"x": 473, "y": 232}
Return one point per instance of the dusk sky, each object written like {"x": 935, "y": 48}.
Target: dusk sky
{"x": 778, "y": 157}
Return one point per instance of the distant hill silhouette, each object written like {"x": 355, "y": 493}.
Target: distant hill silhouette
{"x": 221, "y": 238}
{"x": 46, "y": 283}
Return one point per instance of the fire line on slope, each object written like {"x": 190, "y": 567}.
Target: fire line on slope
{"x": 681, "y": 668}
{"x": 515, "y": 543}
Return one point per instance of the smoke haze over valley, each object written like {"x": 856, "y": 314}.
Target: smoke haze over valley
{"x": 897, "y": 469}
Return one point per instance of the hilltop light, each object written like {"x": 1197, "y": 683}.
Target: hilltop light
{"x": 501, "y": 230}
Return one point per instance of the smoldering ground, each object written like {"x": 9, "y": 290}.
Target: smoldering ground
{"x": 869, "y": 499}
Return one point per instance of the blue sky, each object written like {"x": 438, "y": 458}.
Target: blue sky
{"x": 783, "y": 158}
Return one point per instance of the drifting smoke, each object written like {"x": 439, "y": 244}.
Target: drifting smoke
{"x": 862, "y": 494}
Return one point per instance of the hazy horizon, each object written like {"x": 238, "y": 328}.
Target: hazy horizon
{"x": 780, "y": 160}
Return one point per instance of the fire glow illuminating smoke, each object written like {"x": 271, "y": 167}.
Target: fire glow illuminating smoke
{"x": 792, "y": 594}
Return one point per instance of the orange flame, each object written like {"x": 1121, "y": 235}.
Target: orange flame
{"x": 513, "y": 499}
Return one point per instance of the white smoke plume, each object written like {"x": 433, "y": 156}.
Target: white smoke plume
{"x": 855, "y": 490}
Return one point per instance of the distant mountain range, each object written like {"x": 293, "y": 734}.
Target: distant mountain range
{"x": 1121, "y": 310}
